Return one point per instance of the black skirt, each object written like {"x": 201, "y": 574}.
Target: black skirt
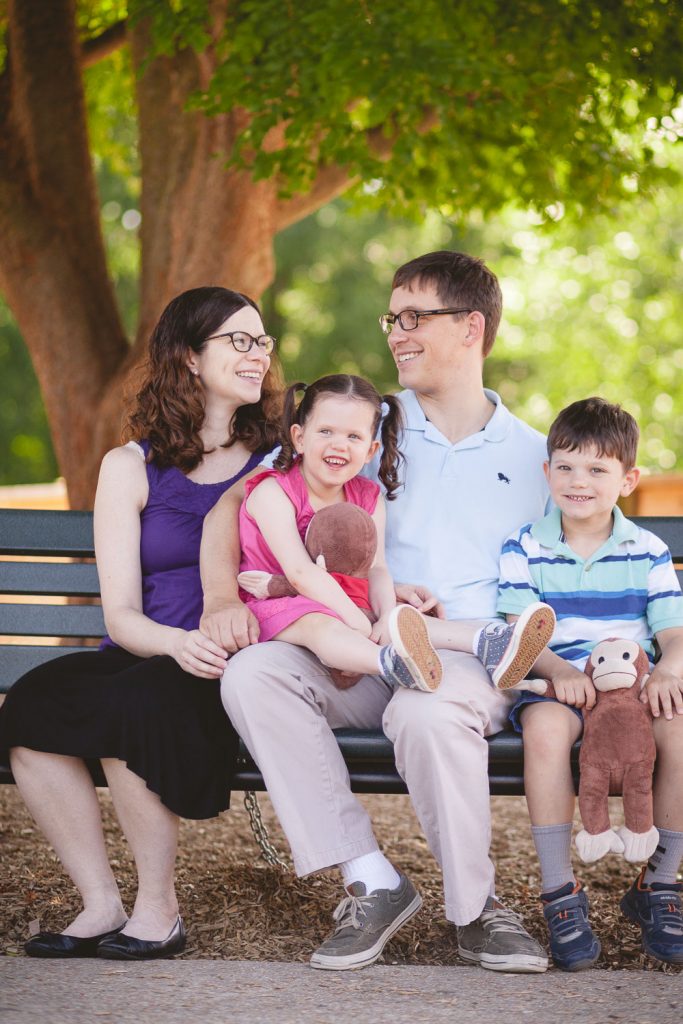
{"x": 168, "y": 726}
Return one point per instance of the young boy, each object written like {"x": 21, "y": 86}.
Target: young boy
{"x": 604, "y": 577}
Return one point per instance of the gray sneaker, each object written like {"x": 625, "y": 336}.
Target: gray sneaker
{"x": 498, "y": 941}
{"x": 507, "y": 652}
{"x": 365, "y": 923}
{"x": 409, "y": 660}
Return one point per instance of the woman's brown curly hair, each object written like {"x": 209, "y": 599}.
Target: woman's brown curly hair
{"x": 168, "y": 408}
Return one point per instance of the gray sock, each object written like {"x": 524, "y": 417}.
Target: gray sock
{"x": 664, "y": 863}
{"x": 553, "y": 846}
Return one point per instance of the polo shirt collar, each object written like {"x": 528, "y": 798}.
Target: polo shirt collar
{"x": 496, "y": 430}
{"x": 548, "y": 531}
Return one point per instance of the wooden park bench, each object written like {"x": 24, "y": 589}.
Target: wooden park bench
{"x": 47, "y": 557}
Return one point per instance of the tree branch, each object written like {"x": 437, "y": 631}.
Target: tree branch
{"x": 334, "y": 179}
{"x": 94, "y": 50}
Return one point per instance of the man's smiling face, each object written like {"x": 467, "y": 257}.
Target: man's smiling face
{"x": 426, "y": 358}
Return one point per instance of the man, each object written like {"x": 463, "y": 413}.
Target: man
{"x": 473, "y": 473}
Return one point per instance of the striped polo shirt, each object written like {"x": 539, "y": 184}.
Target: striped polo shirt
{"x": 626, "y": 589}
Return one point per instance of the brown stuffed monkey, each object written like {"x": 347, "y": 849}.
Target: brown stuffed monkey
{"x": 340, "y": 538}
{"x": 617, "y": 755}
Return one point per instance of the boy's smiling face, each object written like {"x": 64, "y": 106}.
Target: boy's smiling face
{"x": 585, "y": 485}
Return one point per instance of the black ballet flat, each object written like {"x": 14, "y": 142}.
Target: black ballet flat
{"x": 125, "y": 947}
{"x": 53, "y": 945}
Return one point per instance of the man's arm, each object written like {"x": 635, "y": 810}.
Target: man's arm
{"x": 225, "y": 619}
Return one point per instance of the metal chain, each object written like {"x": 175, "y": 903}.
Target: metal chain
{"x": 261, "y": 835}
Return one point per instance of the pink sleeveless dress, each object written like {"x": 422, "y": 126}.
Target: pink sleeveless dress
{"x": 276, "y": 613}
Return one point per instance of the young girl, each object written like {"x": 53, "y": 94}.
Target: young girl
{"x": 327, "y": 440}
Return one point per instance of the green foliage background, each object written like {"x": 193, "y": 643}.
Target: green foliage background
{"x": 593, "y": 301}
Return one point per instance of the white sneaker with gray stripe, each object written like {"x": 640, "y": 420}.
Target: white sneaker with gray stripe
{"x": 365, "y": 923}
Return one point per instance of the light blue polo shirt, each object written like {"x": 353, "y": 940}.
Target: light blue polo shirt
{"x": 458, "y": 503}
{"x": 627, "y": 588}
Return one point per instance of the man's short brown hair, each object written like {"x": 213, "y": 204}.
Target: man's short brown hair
{"x": 459, "y": 280}
{"x": 612, "y": 430}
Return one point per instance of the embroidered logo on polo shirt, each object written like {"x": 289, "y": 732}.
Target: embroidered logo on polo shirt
{"x": 503, "y": 479}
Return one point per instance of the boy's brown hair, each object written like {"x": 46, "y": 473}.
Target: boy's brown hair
{"x": 612, "y": 430}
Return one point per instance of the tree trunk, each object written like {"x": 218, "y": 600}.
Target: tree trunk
{"x": 201, "y": 224}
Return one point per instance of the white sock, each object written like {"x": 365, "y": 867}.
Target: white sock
{"x": 373, "y": 870}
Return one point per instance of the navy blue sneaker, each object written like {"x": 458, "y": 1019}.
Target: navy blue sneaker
{"x": 657, "y": 909}
{"x": 573, "y": 946}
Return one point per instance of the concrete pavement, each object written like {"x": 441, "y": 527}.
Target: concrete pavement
{"x": 248, "y": 992}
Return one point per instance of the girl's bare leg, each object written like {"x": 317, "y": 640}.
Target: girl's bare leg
{"x": 334, "y": 643}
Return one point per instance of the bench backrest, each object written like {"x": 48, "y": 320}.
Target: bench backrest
{"x": 47, "y": 557}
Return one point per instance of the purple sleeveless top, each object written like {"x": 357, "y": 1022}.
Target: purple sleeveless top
{"x": 171, "y": 531}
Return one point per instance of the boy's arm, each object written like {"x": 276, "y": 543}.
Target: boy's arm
{"x": 664, "y": 688}
{"x": 516, "y": 590}
{"x": 225, "y": 619}
{"x": 570, "y": 684}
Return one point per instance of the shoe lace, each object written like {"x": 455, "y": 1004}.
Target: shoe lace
{"x": 349, "y": 910}
{"x": 500, "y": 919}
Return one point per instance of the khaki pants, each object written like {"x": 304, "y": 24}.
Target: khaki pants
{"x": 284, "y": 706}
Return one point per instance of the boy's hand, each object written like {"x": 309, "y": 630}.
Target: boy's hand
{"x": 573, "y": 687}
{"x": 663, "y": 690}
{"x": 232, "y": 627}
{"x": 421, "y": 598}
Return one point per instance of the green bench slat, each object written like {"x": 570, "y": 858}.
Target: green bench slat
{"x": 71, "y": 579}
{"x": 51, "y": 620}
{"x": 36, "y": 533}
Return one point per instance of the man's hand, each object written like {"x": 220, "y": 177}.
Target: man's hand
{"x": 198, "y": 655}
{"x": 421, "y": 598}
{"x": 232, "y": 627}
{"x": 663, "y": 690}
{"x": 573, "y": 687}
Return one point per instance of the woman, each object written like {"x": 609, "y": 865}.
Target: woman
{"x": 147, "y": 704}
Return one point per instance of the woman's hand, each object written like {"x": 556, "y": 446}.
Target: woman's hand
{"x": 198, "y": 654}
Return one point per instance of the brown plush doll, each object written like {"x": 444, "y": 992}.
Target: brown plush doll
{"x": 340, "y": 538}
{"x": 617, "y": 755}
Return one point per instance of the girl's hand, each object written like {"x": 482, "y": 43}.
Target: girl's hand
{"x": 380, "y": 632}
{"x": 198, "y": 655}
{"x": 361, "y": 624}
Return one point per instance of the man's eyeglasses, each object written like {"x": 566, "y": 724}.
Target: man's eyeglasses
{"x": 243, "y": 342}
{"x": 409, "y": 319}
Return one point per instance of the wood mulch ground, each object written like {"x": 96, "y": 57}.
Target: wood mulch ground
{"x": 237, "y": 907}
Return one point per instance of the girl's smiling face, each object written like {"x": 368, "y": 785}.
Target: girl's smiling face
{"x": 336, "y": 440}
